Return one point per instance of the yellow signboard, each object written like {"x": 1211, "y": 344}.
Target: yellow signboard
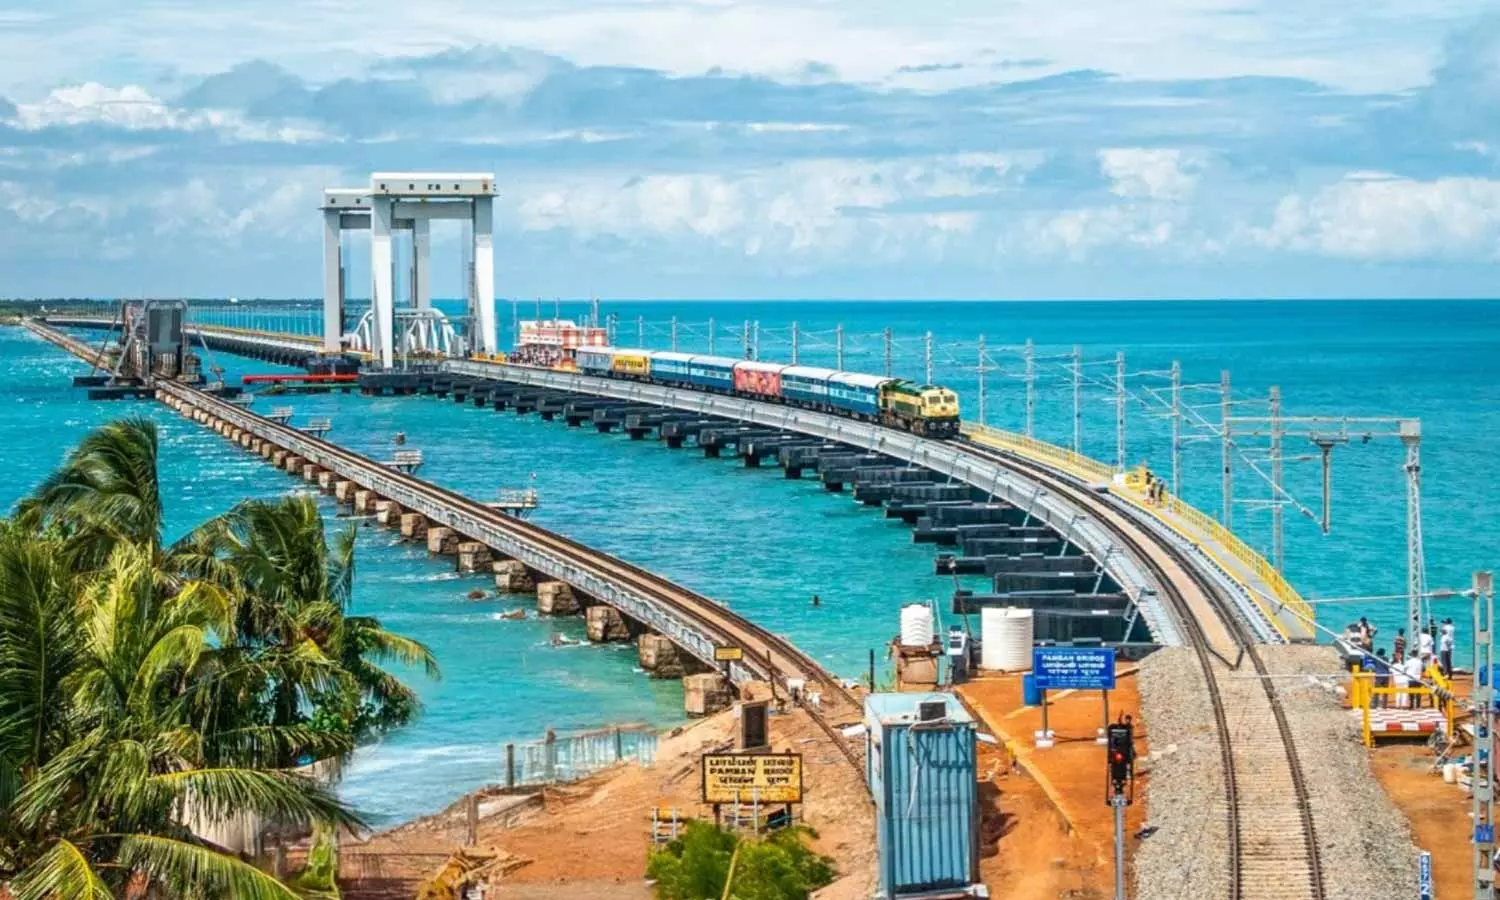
{"x": 728, "y": 654}
{"x": 747, "y": 778}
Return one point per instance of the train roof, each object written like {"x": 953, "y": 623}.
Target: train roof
{"x": 859, "y": 379}
{"x": 817, "y": 372}
{"x": 755, "y": 365}
{"x": 726, "y": 361}
{"x": 669, "y": 356}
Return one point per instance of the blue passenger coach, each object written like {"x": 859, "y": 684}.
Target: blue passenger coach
{"x": 713, "y": 372}
{"x": 856, "y": 392}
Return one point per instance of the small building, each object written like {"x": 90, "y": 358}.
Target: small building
{"x": 921, "y": 762}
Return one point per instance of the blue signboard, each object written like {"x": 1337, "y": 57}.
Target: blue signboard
{"x": 1484, "y": 834}
{"x": 1424, "y": 876}
{"x": 1076, "y": 668}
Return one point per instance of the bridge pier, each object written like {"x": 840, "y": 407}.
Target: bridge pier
{"x": 605, "y": 624}
{"x": 343, "y": 491}
{"x": 388, "y": 513}
{"x": 293, "y": 464}
{"x": 705, "y": 694}
{"x": 442, "y": 540}
{"x": 364, "y": 502}
{"x": 556, "y": 598}
{"x": 512, "y": 577}
{"x": 474, "y": 556}
{"x": 413, "y": 526}
{"x": 663, "y": 659}
{"x": 326, "y": 480}
{"x": 310, "y": 473}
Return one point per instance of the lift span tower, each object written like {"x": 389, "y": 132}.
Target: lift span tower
{"x": 398, "y": 202}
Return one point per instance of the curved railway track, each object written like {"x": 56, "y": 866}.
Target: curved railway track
{"x": 1271, "y": 843}
{"x": 767, "y": 649}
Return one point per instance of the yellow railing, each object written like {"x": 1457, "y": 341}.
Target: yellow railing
{"x": 1211, "y": 534}
{"x": 1060, "y": 457}
{"x": 1363, "y": 694}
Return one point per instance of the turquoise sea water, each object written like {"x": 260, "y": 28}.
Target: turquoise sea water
{"x": 765, "y": 544}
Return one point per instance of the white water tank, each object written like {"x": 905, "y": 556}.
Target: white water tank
{"x": 1006, "y": 639}
{"x": 916, "y": 625}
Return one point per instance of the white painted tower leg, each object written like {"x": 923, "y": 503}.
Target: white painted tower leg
{"x": 484, "y": 273}
{"x": 382, "y": 295}
{"x": 333, "y": 281}
{"x": 421, "y": 243}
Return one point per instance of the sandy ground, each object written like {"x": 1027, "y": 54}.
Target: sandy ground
{"x": 605, "y": 822}
{"x": 1438, "y": 813}
{"x": 1046, "y": 831}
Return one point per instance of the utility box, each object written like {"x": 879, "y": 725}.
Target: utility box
{"x": 921, "y": 762}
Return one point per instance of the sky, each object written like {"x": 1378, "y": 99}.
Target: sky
{"x": 762, "y": 148}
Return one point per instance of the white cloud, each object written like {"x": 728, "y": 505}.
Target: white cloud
{"x": 1378, "y": 217}
{"x": 133, "y": 108}
{"x": 1144, "y": 174}
{"x": 1390, "y": 45}
{"x": 822, "y": 209}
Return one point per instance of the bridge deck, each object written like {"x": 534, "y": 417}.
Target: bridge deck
{"x": 1229, "y": 558}
{"x": 694, "y": 622}
{"x": 1221, "y": 548}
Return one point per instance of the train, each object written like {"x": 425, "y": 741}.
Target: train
{"x": 928, "y": 410}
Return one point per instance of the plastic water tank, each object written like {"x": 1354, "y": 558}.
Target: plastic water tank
{"x": 1006, "y": 634}
{"x": 916, "y": 625}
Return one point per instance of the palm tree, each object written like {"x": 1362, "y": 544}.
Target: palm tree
{"x": 98, "y": 766}
{"x": 292, "y": 590}
{"x": 105, "y": 492}
{"x": 145, "y": 687}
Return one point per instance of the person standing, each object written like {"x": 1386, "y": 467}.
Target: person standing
{"x": 1382, "y": 677}
{"x": 1425, "y": 641}
{"x": 1445, "y": 648}
{"x": 1398, "y": 646}
{"x": 1415, "y": 666}
{"x": 1402, "y": 680}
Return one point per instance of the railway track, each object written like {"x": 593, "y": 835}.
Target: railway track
{"x": 766, "y": 649}
{"x": 1271, "y": 843}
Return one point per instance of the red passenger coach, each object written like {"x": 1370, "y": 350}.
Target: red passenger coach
{"x": 758, "y": 378}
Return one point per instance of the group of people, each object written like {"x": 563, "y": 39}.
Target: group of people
{"x": 1407, "y": 662}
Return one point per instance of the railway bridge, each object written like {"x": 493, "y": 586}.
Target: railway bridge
{"x": 1194, "y": 583}
{"x": 1110, "y": 521}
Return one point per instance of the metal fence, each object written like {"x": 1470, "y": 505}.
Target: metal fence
{"x": 570, "y": 757}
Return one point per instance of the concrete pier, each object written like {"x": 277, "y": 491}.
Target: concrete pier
{"x": 555, "y": 598}
{"x": 705, "y": 694}
{"x": 512, "y": 577}
{"x": 343, "y": 491}
{"x": 293, "y": 464}
{"x": 364, "y": 502}
{"x": 413, "y": 526}
{"x": 325, "y": 481}
{"x": 474, "y": 556}
{"x": 278, "y": 457}
{"x": 659, "y": 656}
{"x": 441, "y": 539}
{"x": 310, "y": 473}
{"x": 605, "y": 624}
{"x": 387, "y": 512}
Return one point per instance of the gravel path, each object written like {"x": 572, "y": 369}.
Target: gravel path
{"x": 1183, "y": 858}
{"x": 1363, "y": 839}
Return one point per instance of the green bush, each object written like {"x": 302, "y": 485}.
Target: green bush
{"x": 779, "y": 867}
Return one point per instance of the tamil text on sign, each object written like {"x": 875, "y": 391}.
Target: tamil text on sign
{"x": 747, "y": 778}
{"x": 728, "y": 654}
{"x": 1077, "y": 668}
